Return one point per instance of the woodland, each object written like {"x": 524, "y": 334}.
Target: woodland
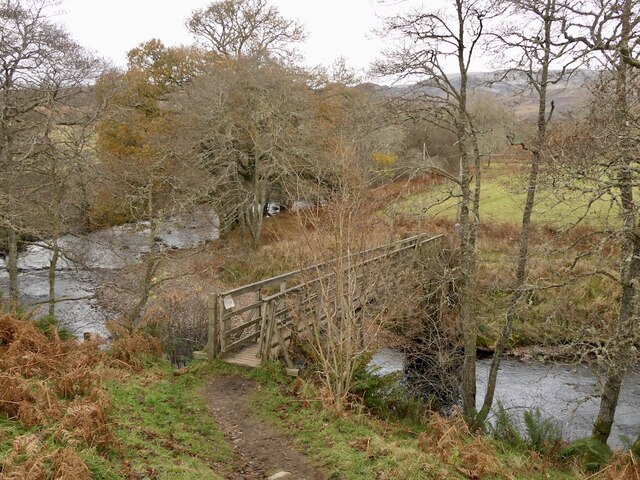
{"x": 528, "y": 172}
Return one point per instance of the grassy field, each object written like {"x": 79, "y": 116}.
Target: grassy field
{"x": 502, "y": 201}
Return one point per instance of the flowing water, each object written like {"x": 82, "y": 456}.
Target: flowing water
{"x": 566, "y": 393}
{"x": 89, "y": 261}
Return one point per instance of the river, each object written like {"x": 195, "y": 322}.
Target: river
{"x": 89, "y": 261}
{"x": 563, "y": 392}
{"x": 566, "y": 393}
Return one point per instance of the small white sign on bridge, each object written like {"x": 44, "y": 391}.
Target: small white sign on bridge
{"x": 229, "y": 304}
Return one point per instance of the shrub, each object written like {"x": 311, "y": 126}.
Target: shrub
{"x": 385, "y": 396}
{"x": 132, "y": 347}
{"x": 541, "y": 434}
{"x": 592, "y": 452}
{"x": 179, "y": 321}
{"x": 50, "y": 385}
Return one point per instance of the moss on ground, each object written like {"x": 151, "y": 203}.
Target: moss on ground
{"x": 165, "y": 427}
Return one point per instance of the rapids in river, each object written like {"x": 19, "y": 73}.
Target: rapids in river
{"x": 89, "y": 261}
{"x": 565, "y": 392}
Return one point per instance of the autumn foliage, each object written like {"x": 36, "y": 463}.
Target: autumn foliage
{"x": 56, "y": 386}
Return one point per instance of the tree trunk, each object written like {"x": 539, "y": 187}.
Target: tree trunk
{"x": 467, "y": 284}
{"x": 256, "y": 224}
{"x": 622, "y": 342}
{"x": 468, "y": 229}
{"x": 523, "y": 253}
{"x": 55, "y": 251}
{"x": 12, "y": 267}
{"x": 151, "y": 262}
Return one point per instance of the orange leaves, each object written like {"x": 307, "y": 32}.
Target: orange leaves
{"x": 451, "y": 441}
{"x": 51, "y": 384}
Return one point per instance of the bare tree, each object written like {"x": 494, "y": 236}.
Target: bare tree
{"x": 623, "y": 55}
{"x": 358, "y": 290}
{"x": 237, "y": 29}
{"x": 142, "y": 164}
{"x": 602, "y": 151}
{"x": 35, "y": 55}
{"x": 537, "y": 44}
{"x": 431, "y": 43}
{"x": 607, "y": 28}
{"x": 252, "y": 128}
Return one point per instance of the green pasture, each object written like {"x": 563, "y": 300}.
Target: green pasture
{"x": 502, "y": 201}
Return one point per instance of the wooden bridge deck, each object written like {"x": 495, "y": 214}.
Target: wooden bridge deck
{"x": 248, "y": 356}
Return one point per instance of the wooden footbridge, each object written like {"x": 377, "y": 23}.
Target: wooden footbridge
{"x": 250, "y": 324}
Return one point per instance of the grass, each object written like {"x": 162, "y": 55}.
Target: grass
{"x": 359, "y": 446}
{"x": 502, "y": 201}
{"x": 165, "y": 427}
{"x": 71, "y": 410}
{"x": 157, "y": 426}
{"x": 579, "y": 312}
{"x": 162, "y": 425}
{"x": 349, "y": 447}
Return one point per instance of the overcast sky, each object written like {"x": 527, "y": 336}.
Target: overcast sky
{"x": 335, "y": 27}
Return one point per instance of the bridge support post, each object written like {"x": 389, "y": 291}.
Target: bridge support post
{"x": 213, "y": 341}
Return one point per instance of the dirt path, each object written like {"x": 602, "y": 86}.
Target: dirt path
{"x": 260, "y": 450}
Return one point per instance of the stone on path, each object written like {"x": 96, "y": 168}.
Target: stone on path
{"x": 278, "y": 475}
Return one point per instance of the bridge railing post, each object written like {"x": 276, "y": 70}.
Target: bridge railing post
{"x": 264, "y": 312}
{"x": 213, "y": 349}
{"x": 258, "y": 312}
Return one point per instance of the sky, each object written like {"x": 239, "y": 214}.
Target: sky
{"x": 335, "y": 27}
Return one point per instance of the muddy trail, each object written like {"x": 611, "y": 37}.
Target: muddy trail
{"x": 260, "y": 450}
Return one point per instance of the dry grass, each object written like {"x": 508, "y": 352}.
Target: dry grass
{"x": 570, "y": 308}
{"x": 623, "y": 467}
{"x": 56, "y": 387}
{"x": 68, "y": 465}
{"x": 452, "y": 442}
{"x": 130, "y": 347}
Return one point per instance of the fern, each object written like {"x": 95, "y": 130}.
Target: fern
{"x": 504, "y": 428}
{"x": 543, "y": 433}
{"x": 635, "y": 448}
{"x": 594, "y": 453}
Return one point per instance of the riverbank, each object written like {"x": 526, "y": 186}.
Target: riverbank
{"x": 150, "y": 421}
{"x": 564, "y": 392}
{"x": 91, "y": 265}
{"x": 123, "y": 414}
{"x": 184, "y": 277}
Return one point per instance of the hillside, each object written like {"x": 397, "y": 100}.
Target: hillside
{"x": 511, "y": 90}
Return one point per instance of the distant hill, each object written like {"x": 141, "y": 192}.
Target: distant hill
{"x": 512, "y": 90}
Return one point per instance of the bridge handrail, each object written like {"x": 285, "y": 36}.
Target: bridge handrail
{"x": 306, "y": 284}
{"x": 221, "y": 331}
{"x": 285, "y": 276}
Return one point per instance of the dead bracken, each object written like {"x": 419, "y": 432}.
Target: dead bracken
{"x": 56, "y": 386}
